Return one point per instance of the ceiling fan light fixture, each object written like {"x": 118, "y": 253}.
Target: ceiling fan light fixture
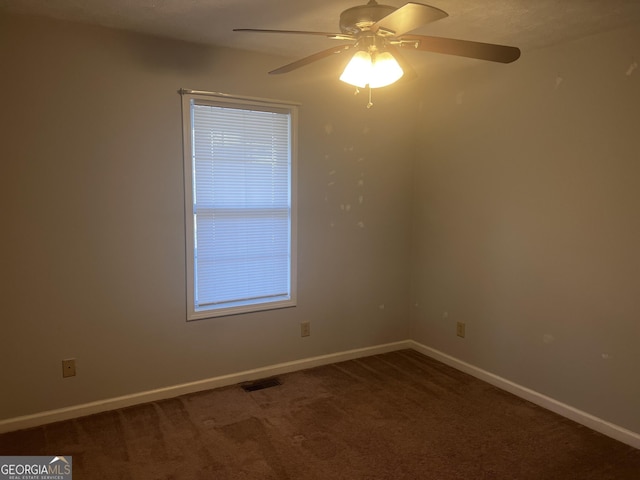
{"x": 377, "y": 70}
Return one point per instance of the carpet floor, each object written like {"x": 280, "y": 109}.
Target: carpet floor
{"x": 399, "y": 415}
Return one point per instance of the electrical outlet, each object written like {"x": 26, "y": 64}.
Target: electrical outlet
{"x": 305, "y": 329}
{"x": 69, "y": 367}
{"x": 460, "y": 329}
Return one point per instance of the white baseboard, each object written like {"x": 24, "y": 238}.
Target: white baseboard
{"x": 594, "y": 423}
{"x": 42, "y": 418}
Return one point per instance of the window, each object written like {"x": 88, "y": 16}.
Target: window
{"x": 239, "y": 166}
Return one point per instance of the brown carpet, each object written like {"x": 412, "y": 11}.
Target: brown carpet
{"x": 399, "y": 415}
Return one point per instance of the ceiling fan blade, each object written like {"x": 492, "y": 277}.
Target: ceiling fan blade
{"x": 311, "y": 58}
{"x": 339, "y": 36}
{"x": 409, "y": 72}
{"x": 407, "y": 18}
{"x": 462, "y": 48}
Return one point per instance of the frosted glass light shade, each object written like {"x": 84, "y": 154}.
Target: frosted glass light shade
{"x": 358, "y": 70}
{"x": 385, "y": 70}
{"x": 377, "y": 71}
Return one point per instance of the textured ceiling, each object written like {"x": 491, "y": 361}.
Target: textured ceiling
{"x": 527, "y": 24}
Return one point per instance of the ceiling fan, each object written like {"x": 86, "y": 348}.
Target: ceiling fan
{"x": 377, "y": 33}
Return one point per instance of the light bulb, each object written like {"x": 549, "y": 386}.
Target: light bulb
{"x": 358, "y": 70}
{"x": 384, "y": 71}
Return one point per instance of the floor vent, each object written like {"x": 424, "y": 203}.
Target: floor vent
{"x": 260, "y": 384}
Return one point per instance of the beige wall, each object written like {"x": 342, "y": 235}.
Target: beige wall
{"x": 527, "y": 222}
{"x": 91, "y": 200}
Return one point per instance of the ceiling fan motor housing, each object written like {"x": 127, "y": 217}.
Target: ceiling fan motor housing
{"x": 357, "y": 19}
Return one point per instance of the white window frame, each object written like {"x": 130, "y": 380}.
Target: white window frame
{"x": 190, "y": 98}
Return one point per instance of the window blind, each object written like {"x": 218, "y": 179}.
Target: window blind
{"x": 241, "y": 205}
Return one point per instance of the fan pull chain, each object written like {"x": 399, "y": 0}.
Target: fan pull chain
{"x": 370, "y": 104}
